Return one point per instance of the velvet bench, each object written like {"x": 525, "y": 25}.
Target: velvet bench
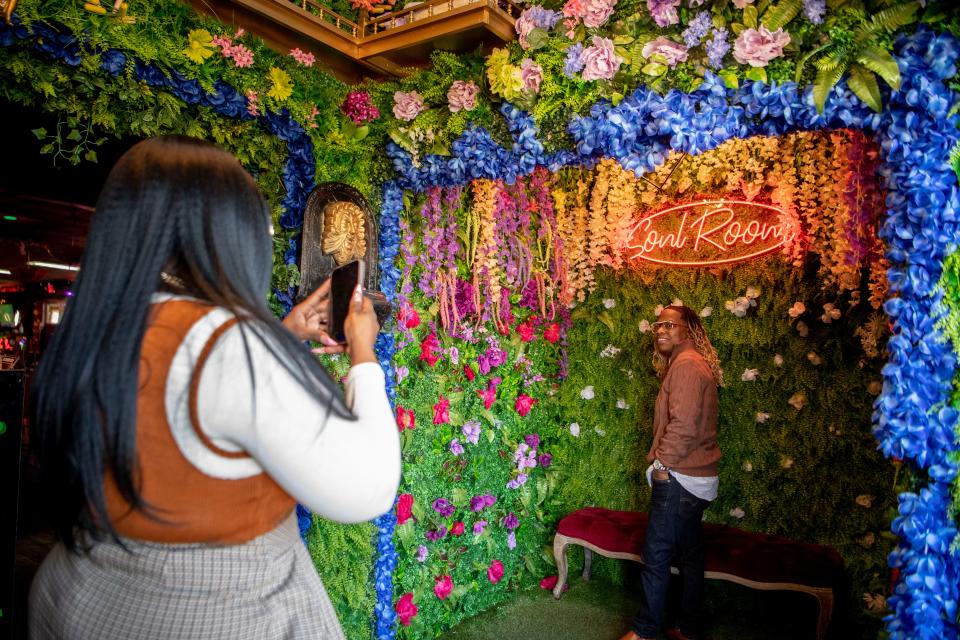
{"x": 754, "y": 560}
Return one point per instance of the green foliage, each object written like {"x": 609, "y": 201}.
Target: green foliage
{"x": 782, "y": 472}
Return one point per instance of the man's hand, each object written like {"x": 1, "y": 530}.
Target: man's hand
{"x": 661, "y": 475}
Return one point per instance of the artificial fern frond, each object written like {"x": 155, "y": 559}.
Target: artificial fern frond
{"x": 955, "y": 159}
{"x": 778, "y": 15}
{"x": 887, "y": 21}
{"x": 834, "y": 59}
{"x": 803, "y": 61}
{"x": 882, "y": 63}
{"x": 863, "y": 83}
{"x": 825, "y": 81}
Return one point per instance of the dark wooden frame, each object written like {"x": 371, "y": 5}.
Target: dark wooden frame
{"x": 315, "y": 265}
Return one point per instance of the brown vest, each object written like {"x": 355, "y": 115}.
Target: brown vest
{"x": 191, "y": 506}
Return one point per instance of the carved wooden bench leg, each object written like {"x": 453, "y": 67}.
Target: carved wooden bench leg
{"x": 560, "y": 555}
{"x": 587, "y": 563}
{"x": 825, "y": 598}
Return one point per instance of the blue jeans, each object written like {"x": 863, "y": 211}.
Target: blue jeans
{"x": 674, "y": 530}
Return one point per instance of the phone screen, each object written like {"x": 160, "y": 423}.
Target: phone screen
{"x": 343, "y": 281}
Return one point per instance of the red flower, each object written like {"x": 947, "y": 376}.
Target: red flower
{"x": 489, "y": 396}
{"x": 408, "y": 317}
{"x": 427, "y": 348}
{"x": 550, "y": 582}
{"x": 404, "y": 508}
{"x": 525, "y": 330}
{"x": 405, "y": 608}
{"x": 443, "y": 587}
{"x": 552, "y": 332}
{"x": 441, "y": 415}
{"x": 457, "y": 528}
{"x": 524, "y": 404}
{"x": 495, "y": 572}
{"x": 468, "y": 371}
{"x": 406, "y": 418}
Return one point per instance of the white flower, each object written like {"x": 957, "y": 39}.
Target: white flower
{"x": 600, "y": 432}
{"x": 803, "y": 329}
{"x": 622, "y": 404}
{"x": 609, "y": 303}
{"x": 644, "y": 326}
{"x": 830, "y": 313}
{"x": 749, "y": 375}
{"x": 737, "y": 513}
{"x": 587, "y": 393}
{"x": 740, "y": 306}
{"x": 706, "y": 312}
{"x": 762, "y": 417}
{"x": 752, "y": 293}
{"x": 630, "y": 374}
{"x": 657, "y": 309}
{"x": 814, "y": 359}
{"x": 797, "y": 309}
{"x": 864, "y": 500}
{"x": 798, "y": 400}
{"x": 574, "y": 429}
{"x": 876, "y": 603}
{"x": 748, "y": 466}
{"x": 677, "y": 302}
{"x": 778, "y": 359}
{"x": 609, "y": 351}
{"x": 875, "y": 387}
{"x": 786, "y": 462}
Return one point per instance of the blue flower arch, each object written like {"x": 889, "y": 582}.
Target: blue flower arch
{"x": 913, "y": 419}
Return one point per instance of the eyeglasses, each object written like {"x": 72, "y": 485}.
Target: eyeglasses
{"x": 667, "y": 324}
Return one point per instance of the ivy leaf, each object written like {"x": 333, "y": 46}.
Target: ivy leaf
{"x": 729, "y": 78}
{"x": 756, "y": 73}
{"x": 74, "y": 135}
{"x": 654, "y": 69}
{"x": 47, "y": 148}
{"x": 750, "y": 16}
{"x": 863, "y": 83}
{"x": 41, "y": 133}
{"x": 538, "y": 38}
{"x": 90, "y": 156}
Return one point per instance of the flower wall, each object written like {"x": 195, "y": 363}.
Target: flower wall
{"x": 515, "y": 410}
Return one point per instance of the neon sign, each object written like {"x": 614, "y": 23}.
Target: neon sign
{"x": 709, "y": 232}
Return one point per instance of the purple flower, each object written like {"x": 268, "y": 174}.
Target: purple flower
{"x": 443, "y": 507}
{"x": 455, "y": 448}
{"x": 511, "y": 540}
{"x": 517, "y": 482}
{"x": 359, "y": 107}
{"x": 479, "y": 526}
{"x": 757, "y": 47}
{"x": 422, "y": 552}
{"x": 477, "y": 503}
{"x": 511, "y": 521}
{"x": 545, "y": 460}
{"x": 532, "y": 75}
{"x": 471, "y": 431}
{"x": 672, "y": 52}
{"x": 572, "y": 65}
{"x": 533, "y": 440}
{"x": 600, "y": 61}
{"x": 497, "y": 356}
{"x": 664, "y": 12}
{"x": 490, "y": 499}
{"x": 814, "y": 10}
{"x": 463, "y": 296}
{"x": 717, "y": 47}
{"x": 402, "y": 372}
{"x": 436, "y": 534}
{"x": 454, "y": 355}
{"x": 698, "y": 28}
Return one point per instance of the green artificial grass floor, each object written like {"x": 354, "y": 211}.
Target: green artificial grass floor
{"x": 599, "y": 610}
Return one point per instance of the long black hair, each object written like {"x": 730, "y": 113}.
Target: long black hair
{"x": 170, "y": 204}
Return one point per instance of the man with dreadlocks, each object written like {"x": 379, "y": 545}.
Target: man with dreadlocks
{"x": 683, "y": 470}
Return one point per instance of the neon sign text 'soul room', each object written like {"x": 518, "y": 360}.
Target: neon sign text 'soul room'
{"x": 709, "y": 232}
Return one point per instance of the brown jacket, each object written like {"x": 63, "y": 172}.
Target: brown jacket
{"x": 685, "y": 415}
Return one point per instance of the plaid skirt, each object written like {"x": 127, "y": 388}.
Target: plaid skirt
{"x": 265, "y": 589}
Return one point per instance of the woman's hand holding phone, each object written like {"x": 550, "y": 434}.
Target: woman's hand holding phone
{"x": 361, "y": 328}
{"x": 310, "y": 320}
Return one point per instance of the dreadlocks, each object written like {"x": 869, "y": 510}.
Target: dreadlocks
{"x": 700, "y": 342}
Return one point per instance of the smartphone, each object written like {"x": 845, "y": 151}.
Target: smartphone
{"x": 343, "y": 282}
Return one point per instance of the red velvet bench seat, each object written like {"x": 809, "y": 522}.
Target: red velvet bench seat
{"x": 754, "y": 560}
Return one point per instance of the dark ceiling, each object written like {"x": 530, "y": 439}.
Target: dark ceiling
{"x": 45, "y": 203}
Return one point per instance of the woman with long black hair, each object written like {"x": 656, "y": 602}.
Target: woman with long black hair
{"x": 178, "y": 422}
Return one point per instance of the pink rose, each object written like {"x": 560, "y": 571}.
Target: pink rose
{"x": 462, "y": 96}
{"x": 441, "y": 413}
{"x": 552, "y": 332}
{"x": 495, "y": 572}
{"x": 408, "y": 317}
{"x": 406, "y": 609}
{"x": 596, "y": 12}
{"x": 600, "y": 62}
{"x": 673, "y": 52}
{"x": 525, "y": 331}
{"x": 532, "y": 75}
{"x": 404, "y": 507}
{"x": 757, "y": 47}
{"x": 742, "y": 4}
{"x": 489, "y": 396}
{"x": 407, "y": 106}
{"x": 443, "y": 587}
{"x": 524, "y": 404}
